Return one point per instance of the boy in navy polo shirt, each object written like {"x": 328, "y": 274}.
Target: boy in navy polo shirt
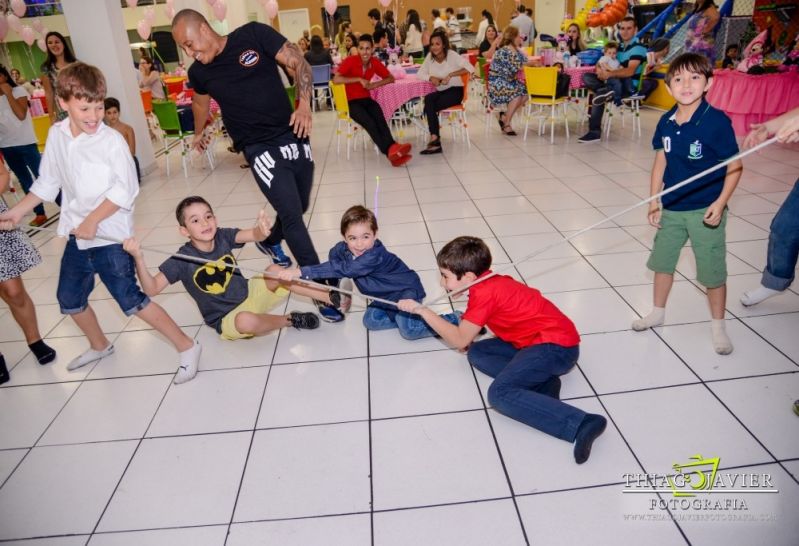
{"x": 692, "y": 137}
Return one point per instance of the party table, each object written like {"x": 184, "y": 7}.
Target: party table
{"x": 393, "y": 95}
{"x": 749, "y": 99}
{"x": 577, "y": 73}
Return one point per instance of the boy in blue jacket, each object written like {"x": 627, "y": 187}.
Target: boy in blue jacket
{"x": 376, "y": 272}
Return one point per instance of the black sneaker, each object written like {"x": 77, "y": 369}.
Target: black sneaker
{"x": 304, "y": 321}
{"x": 602, "y": 97}
{"x": 275, "y": 252}
{"x": 342, "y": 301}
{"x": 328, "y": 313}
{"x": 589, "y": 137}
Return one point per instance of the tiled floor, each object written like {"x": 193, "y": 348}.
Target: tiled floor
{"x": 339, "y": 436}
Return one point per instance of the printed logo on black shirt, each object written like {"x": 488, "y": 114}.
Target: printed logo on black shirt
{"x": 249, "y": 58}
{"x": 214, "y": 277}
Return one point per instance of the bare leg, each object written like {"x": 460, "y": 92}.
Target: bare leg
{"x": 154, "y": 315}
{"x": 257, "y": 324}
{"x": 661, "y": 290}
{"x": 22, "y": 309}
{"x": 717, "y": 298}
{"x": 87, "y": 322}
{"x": 513, "y": 107}
{"x": 297, "y": 288}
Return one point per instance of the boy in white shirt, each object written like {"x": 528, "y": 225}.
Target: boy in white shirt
{"x": 91, "y": 165}
{"x": 453, "y": 29}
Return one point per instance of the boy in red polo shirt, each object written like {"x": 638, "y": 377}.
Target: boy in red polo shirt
{"x": 356, "y": 73}
{"x": 534, "y": 344}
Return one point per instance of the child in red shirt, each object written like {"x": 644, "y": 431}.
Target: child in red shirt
{"x": 356, "y": 73}
{"x": 535, "y": 344}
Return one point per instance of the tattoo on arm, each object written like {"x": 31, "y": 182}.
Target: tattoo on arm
{"x": 292, "y": 58}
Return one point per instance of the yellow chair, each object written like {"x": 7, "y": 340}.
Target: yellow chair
{"x": 457, "y": 114}
{"x": 542, "y": 86}
{"x": 343, "y": 118}
{"x": 41, "y": 126}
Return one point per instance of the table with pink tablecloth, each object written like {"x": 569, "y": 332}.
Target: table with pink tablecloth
{"x": 577, "y": 72}
{"x": 393, "y": 95}
{"x": 749, "y": 99}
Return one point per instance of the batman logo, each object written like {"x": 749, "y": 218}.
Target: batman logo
{"x": 213, "y": 277}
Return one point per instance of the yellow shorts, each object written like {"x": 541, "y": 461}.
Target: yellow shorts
{"x": 260, "y": 300}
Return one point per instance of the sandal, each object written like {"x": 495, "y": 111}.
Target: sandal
{"x": 433, "y": 147}
{"x": 501, "y": 123}
{"x": 508, "y": 130}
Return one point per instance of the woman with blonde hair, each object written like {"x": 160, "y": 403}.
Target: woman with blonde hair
{"x": 505, "y": 90}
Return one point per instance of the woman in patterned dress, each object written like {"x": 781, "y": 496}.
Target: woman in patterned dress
{"x": 505, "y": 89}
{"x": 58, "y": 56}
{"x": 701, "y": 30}
{"x": 17, "y": 255}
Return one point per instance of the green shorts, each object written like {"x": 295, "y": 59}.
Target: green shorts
{"x": 708, "y": 243}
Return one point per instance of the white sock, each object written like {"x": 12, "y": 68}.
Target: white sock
{"x": 721, "y": 341}
{"x": 189, "y": 363}
{"x": 656, "y": 317}
{"x": 761, "y": 293}
{"x": 89, "y": 356}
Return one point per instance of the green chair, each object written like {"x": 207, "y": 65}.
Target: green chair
{"x": 292, "y": 93}
{"x": 166, "y": 112}
{"x": 418, "y": 61}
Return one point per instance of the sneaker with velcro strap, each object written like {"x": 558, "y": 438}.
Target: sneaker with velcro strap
{"x": 328, "y": 313}
{"x": 304, "y": 321}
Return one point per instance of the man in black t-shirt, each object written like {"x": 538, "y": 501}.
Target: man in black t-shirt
{"x": 240, "y": 71}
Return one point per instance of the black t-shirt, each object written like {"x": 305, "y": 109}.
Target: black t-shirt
{"x": 217, "y": 288}
{"x": 245, "y": 82}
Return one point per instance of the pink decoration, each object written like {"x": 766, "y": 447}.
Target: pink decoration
{"x": 13, "y": 22}
{"x": 220, "y": 10}
{"x": 331, "y": 6}
{"x": 27, "y": 35}
{"x": 3, "y": 27}
{"x": 42, "y": 44}
{"x": 271, "y": 8}
{"x": 19, "y": 8}
{"x": 132, "y": 3}
{"x": 211, "y": 2}
{"x": 385, "y": 3}
{"x": 149, "y": 14}
{"x": 169, "y": 11}
{"x": 143, "y": 28}
{"x": 37, "y": 25}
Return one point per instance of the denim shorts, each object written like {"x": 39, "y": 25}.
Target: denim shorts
{"x": 116, "y": 270}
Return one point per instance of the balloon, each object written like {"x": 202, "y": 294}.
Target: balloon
{"x": 44, "y": 32}
{"x": 13, "y": 22}
{"x": 211, "y": 2}
{"x": 143, "y": 28}
{"x": 19, "y": 8}
{"x": 37, "y": 25}
{"x": 220, "y": 10}
{"x": 272, "y": 8}
{"x": 169, "y": 11}
{"x": 27, "y": 35}
{"x": 385, "y": 3}
{"x": 132, "y": 3}
{"x": 42, "y": 44}
{"x": 331, "y": 6}
{"x": 149, "y": 14}
{"x": 3, "y": 27}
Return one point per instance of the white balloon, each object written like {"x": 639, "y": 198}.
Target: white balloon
{"x": 27, "y": 35}
{"x": 13, "y": 22}
{"x": 143, "y": 28}
{"x": 149, "y": 14}
{"x": 331, "y": 6}
{"x": 19, "y": 8}
{"x": 271, "y": 9}
{"x": 37, "y": 25}
{"x": 42, "y": 44}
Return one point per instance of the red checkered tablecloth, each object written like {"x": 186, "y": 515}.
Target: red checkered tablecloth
{"x": 577, "y": 75}
{"x": 390, "y": 97}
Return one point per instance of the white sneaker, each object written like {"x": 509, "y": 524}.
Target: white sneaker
{"x": 189, "y": 364}
{"x": 88, "y": 357}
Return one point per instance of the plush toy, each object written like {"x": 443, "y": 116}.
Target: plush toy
{"x": 755, "y": 53}
{"x": 562, "y": 54}
{"x": 792, "y": 57}
{"x": 394, "y": 63}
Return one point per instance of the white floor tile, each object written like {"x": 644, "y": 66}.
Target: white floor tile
{"x": 306, "y": 471}
{"x": 561, "y": 275}
{"x": 9, "y": 459}
{"x": 780, "y": 331}
{"x": 191, "y": 536}
{"x": 345, "y": 339}
{"x": 40, "y": 497}
{"x": 431, "y": 460}
{"x": 353, "y": 530}
{"x": 26, "y": 412}
{"x": 581, "y": 307}
{"x": 172, "y": 482}
{"x": 686, "y": 302}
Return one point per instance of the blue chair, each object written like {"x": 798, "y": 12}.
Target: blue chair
{"x": 321, "y": 84}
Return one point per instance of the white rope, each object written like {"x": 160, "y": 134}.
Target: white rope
{"x": 675, "y": 187}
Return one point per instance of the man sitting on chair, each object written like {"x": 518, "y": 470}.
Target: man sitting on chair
{"x": 357, "y": 73}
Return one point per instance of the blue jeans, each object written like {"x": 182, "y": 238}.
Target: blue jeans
{"x": 24, "y": 161}
{"x": 410, "y": 326}
{"x": 518, "y": 374}
{"x": 783, "y": 244}
{"x": 619, "y": 88}
{"x": 116, "y": 270}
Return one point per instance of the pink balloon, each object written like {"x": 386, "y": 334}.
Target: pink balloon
{"x": 220, "y": 9}
{"x": 143, "y": 28}
{"x": 19, "y": 8}
{"x": 331, "y": 6}
{"x": 42, "y": 44}
{"x": 37, "y": 25}
{"x": 132, "y": 3}
{"x": 211, "y": 2}
{"x": 149, "y": 14}
{"x": 13, "y": 22}
{"x": 169, "y": 11}
{"x": 271, "y": 9}
{"x": 27, "y": 35}
{"x": 385, "y": 3}
{"x": 3, "y": 27}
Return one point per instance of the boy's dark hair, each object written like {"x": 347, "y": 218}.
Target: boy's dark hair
{"x": 450, "y": 10}
{"x": 659, "y": 45}
{"x": 692, "y": 62}
{"x": 379, "y": 35}
{"x": 111, "y": 102}
{"x": 463, "y": 255}
{"x": 521, "y": 9}
{"x": 435, "y": 12}
{"x": 358, "y": 214}
{"x": 187, "y": 202}
{"x": 82, "y": 81}
{"x": 729, "y": 47}
{"x": 630, "y": 19}
{"x": 366, "y": 38}
{"x": 374, "y": 14}
{"x": 610, "y": 45}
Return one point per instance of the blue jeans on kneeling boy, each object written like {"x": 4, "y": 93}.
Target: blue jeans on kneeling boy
{"x": 410, "y": 326}
{"x": 783, "y": 244}
{"x": 518, "y": 373}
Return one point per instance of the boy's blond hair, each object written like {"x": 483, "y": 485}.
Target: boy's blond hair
{"x": 82, "y": 81}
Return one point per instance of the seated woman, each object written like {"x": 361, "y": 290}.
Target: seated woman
{"x": 317, "y": 54}
{"x": 443, "y": 68}
{"x": 489, "y": 44}
{"x": 350, "y": 46}
{"x": 504, "y": 87}
{"x": 150, "y": 78}
{"x": 576, "y": 43}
